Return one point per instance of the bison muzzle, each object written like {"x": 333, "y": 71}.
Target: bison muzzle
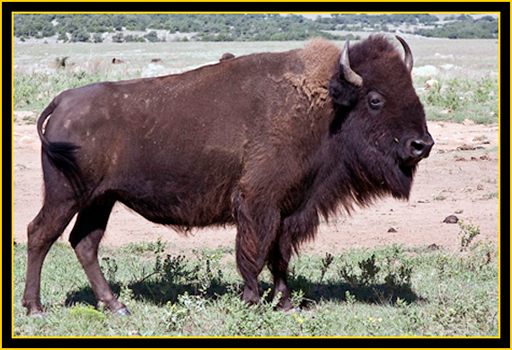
{"x": 269, "y": 142}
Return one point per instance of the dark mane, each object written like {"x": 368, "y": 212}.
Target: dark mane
{"x": 347, "y": 177}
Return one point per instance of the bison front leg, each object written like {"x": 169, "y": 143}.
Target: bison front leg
{"x": 257, "y": 225}
{"x": 250, "y": 264}
{"x": 295, "y": 229}
{"x": 85, "y": 238}
{"x": 278, "y": 260}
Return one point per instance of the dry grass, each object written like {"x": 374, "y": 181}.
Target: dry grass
{"x": 472, "y": 58}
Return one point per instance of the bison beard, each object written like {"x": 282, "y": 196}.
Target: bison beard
{"x": 269, "y": 142}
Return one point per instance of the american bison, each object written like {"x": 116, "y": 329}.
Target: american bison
{"x": 269, "y": 142}
{"x": 226, "y": 56}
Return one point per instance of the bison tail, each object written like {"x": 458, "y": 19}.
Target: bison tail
{"x": 62, "y": 155}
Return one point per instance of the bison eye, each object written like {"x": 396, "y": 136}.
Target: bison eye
{"x": 375, "y": 100}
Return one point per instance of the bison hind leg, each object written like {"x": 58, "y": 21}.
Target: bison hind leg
{"x": 85, "y": 239}
{"x": 42, "y": 232}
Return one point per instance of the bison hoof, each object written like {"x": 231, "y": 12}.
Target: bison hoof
{"x": 288, "y": 307}
{"x": 123, "y": 312}
{"x": 34, "y": 309}
{"x": 38, "y": 314}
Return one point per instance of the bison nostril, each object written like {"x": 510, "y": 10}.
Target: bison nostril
{"x": 420, "y": 148}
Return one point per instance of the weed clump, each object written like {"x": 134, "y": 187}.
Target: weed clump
{"x": 392, "y": 273}
{"x": 467, "y": 233}
{"x": 460, "y": 99}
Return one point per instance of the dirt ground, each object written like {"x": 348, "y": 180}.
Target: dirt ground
{"x": 461, "y": 177}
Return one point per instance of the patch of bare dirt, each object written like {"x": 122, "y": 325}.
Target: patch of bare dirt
{"x": 461, "y": 178}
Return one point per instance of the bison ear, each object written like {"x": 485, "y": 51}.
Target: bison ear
{"x": 342, "y": 92}
{"x": 345, "y": 82}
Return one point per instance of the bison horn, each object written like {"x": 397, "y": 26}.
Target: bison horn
{"x": 351, "y": 76}
{"x": 408, "y": 55}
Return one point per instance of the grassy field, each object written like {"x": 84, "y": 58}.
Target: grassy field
{"x": 390, "y": 291}
{"x": 466, "y": 78}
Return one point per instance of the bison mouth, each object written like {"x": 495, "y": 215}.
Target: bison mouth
{"x": 414, "y": 150}
{"x": 399, "y": 181}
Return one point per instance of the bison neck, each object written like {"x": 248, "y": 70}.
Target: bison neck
{"x": 346, "y": 172}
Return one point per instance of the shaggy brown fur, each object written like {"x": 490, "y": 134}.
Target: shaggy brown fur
{"x": 268, "y": 142}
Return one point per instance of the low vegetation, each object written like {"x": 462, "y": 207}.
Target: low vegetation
{"x": 459, "y": 99}
{"x": 387, "y": 291}
{"x": 33, "y": 91}
{"x": 450, "y": 99}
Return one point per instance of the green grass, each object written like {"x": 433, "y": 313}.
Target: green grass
{"x": 35, "y": 91}
{"x": 473, "y": 99}
{"x": 387, "y": 291}
{"x": 470, "y": 92}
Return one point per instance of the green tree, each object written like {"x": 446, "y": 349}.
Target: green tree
{"x": 96, "y": 38}
{"x": 152, "y": 37}
{"x": 80, "y": 35}
{"x": 118, "y": 38}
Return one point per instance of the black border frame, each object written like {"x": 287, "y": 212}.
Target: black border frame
{"x": 225, "y": 7}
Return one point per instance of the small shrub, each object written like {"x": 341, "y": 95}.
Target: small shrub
{"x": 326, "y": 262}
{"x": 467, "y": 234}
{"x": 175, "y": 316}
{"x": 86, "y": 312}
{"x": 60, "y": 62}
{"x": 381, "y": 278}
{"x": 110, "y": 268}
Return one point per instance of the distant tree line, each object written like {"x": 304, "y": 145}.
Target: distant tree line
{"x": 236, "y": 27}
{"x": 465, "y": 27}
{"x": 382, "y": 19}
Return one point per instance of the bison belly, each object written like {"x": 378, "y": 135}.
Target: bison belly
{"x": 181, "y": 191}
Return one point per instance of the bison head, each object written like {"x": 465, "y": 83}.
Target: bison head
{"x": 380, "y": 121}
